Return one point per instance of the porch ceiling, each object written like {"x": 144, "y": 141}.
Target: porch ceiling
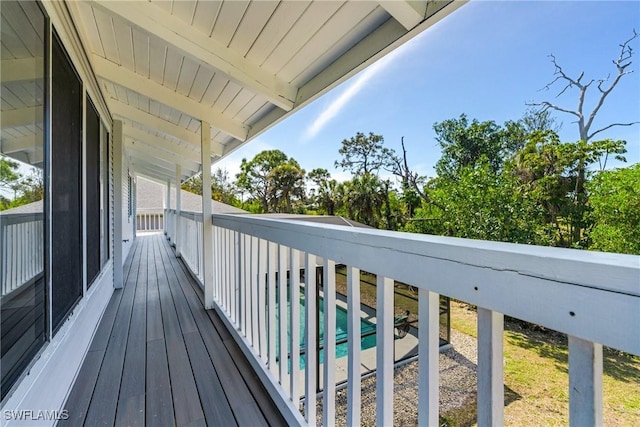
{"x": 242, "y": 66}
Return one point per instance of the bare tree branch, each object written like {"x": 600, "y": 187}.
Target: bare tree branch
{"x": 547, "y": 105}
{"x": 625, "y": 55}
{"x": 610, "y": 126}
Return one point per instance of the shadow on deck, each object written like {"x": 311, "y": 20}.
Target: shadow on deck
{"x": 159, "y": 358}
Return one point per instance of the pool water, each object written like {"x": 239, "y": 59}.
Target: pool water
{"x": 367, "y": 330}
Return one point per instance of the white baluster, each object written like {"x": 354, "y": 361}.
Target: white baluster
{"x": 384, "y": 351}
{"x": 329, "y": 379}
{"x": 354, "y": 336}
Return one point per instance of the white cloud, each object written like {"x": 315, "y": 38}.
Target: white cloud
{"x": 351, "y": 90}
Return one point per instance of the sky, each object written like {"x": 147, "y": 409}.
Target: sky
{"x": 486, "y": 60}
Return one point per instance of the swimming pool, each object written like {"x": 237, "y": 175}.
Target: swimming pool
{"x": 367, "y": 330}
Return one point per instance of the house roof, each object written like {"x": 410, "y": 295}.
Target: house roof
{"x": 165, "y": 67}
{"x": 322, "y": 219}
{"x": 152, "y": 197}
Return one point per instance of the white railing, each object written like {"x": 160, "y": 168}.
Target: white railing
{"x": 21, "y": 249}
{"x": 592, "y": 297}
{"x": 191, "y": 233}
{"x": 169, "y": 223}
{"x": 149, "y": 220}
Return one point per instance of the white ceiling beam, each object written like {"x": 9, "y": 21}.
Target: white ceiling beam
{"x": 150, "y": 152}
{"x": 126, "y": 111}
{"x": 32, "y": 142}
{"x": 131, "y": 80}
{"x": 20, "y": 117}
{"x": 161, "y": 143}
{"x": 408, "y": 13}
{"x": 24, "y": 69}
{"x": 204, "y": 49}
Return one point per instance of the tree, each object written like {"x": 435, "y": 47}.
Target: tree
{"x": 286, "y": 186}
{"x": 548, "y": 170}
{"x": 222, "y": 189}
{"x": 464, "y": 143}
{"x": 479, "y": 204}
{"x": 364, "y": 154}
{"x": 272, "y": 179}
{"x": 9, "y": 174}
{"x": 585, "y": 120}
{"x": 364, "y": 198}
{"x": 324, "y": 192}
{"x": 614, "y": 197}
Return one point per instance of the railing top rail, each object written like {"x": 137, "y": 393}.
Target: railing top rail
{"x": 592, "y": 295}
{"x": 196, "y": 216}
{"x": 19, "y": 218}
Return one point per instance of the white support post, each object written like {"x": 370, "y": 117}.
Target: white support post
{"x": 167, "y": 226}
{"x": 428, "y": 353}
{"x": 207, "y": 225}
{"x": 384, "y": 351}
{"x": 354, "y": 337}
{"x": 117, "y": 204}
{"x": 490, "y": 368}
{"x": 178, "y": 232}
{"x": 585, "y": 382}
{"x": 134, "y": 210}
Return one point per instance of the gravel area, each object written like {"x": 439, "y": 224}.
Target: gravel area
{"x": 457, "y": 386}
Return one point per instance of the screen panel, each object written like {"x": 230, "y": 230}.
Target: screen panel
{"x": 66, "y": 184}
{"x": 92, "y": 193}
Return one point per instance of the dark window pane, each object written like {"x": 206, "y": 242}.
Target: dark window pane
{"x": 66, "y": 184}
{"x": 92, "y": 179}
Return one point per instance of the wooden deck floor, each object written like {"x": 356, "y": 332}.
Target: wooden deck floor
{"x": 159, "y": 358}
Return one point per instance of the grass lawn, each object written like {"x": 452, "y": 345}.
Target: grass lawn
{"x": 536, "y": 369}
{"x": 536, "y": 373}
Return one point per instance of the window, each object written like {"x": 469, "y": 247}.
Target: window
{"x": 23, "y": 163}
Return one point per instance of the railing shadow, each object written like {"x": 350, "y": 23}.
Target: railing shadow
{"x": 553, "y": 345}
{"x": 464, "y": 414}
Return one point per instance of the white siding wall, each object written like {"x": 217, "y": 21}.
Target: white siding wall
{"x": 127, "y": 220}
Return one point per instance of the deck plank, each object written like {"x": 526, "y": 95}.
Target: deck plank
{"x": 159, "y": 409}
{"x": 186, "y": 401}
{"x": 158, "y": 358}
{"x": 131, "y": 401}
{"x": 243, "y": 396}
{"x": 102, "y": 410}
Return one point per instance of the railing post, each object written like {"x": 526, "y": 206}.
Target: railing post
{"x": 428, "y": 353}
{"x": 117, "y": 203}
{"x": 490, "y": 369}
{"x": 207, "y": 225}
{"x": 585, "y": 382}
{"x": 167, "y": 226}
{"x": 178, "y": 234}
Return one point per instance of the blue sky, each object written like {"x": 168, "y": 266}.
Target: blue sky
{"x": 486, "y": 60}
